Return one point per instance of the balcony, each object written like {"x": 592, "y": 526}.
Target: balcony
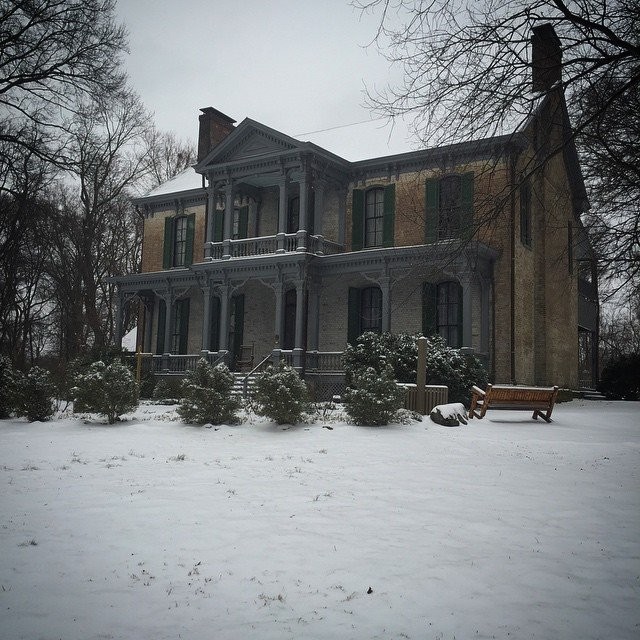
{"x": 266, "y": 245}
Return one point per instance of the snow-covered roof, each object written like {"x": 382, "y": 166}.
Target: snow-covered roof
{"x": 185, "y": 181}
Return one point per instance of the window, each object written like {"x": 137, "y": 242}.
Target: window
{"x": 178, "y": 241}
{"x": 365, "y": 312}
{"x": 449, "y": 207}
{"x": 442, "y": 311}
{"x": 240, "y": 223}
{"x": 525, "y": 213}
{"x": 449, "y": 313}
{"x": 373, "y": 217}
{"x": 180, "y": 333}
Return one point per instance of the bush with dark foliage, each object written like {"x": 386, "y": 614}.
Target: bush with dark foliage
{"x": 620, "y": 379}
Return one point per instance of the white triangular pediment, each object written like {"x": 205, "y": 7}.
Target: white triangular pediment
{"x": 255, "y": 143}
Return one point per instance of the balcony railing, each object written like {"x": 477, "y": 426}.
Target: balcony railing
{"x": 266, "y": 245}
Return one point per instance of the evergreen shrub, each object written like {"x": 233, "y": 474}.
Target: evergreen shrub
{"x": 620, "y": 379}
{"x": 373, "y": 397}
{"x": 7, "y": 387}
{"x": 34, "y": 393}
{"x": 207, "y": 397}
{"x": 109, "y": 390}
{"x": 445, "y": 365}
{"x": 281, "y": 395}
{"x": 168, "y": 389}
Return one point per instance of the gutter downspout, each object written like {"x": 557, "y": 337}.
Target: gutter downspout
{"x": 512, "y": 292}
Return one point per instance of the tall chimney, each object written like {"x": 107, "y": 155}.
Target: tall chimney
{"x": 215, "y": 126}
{"x": 546, "y": 57}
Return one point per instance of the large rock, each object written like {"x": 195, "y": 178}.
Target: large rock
{"x": 449, "y": 415}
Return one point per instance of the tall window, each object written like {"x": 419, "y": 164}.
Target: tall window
{"x": 373, "y": 217}
{"x": 365, "y": 312}
{"x": 371, "y": 310}
{"x": 525, "y": 213}
{"x": 449, "y": 207}
{"x": 449, "y": 312}
{"x": 442, "y": 311}
{"x": 180, "y": 331}
{"x": 180, "y": 241}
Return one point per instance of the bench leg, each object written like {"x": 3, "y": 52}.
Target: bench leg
{"x": 546, "y": 417}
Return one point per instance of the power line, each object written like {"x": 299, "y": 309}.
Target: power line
{"x": 341, "y": 126}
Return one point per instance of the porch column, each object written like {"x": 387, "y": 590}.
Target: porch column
{"x": 211, "y": 212}
{"x": 206, "y": 317}
{"x": 118, "y": 319}
{"x": 149, "y": 305}
{"x": 318, "y": 208}
{"x": 168, "y": 322}
{"x": 282, "y": 213}
{"x": 225, "y": 290}
{"x": 301, "y": 244}
{"x": 314, "y": 317}
{"x": 228, "y": 219}
{"x": 385, "y": 287}
{"x": 278, "y": 289}
{"x": 467, "y": 290}
{"x": 299, "y": 337}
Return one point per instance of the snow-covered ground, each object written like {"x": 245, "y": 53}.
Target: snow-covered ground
{"x": 151, "y": 529}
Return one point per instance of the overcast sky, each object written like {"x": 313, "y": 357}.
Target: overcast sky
{"x": 298, "y": 66}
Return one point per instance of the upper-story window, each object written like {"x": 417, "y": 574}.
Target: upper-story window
{"x": 449, "y": 207}
{"x": 178, "y": 241}
{"x": 373, "y": 217}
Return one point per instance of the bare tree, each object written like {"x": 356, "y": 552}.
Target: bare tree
{"x": 467, "y": 74}
{"x": 53, "y": 53}
{"x": 167, "y": 156}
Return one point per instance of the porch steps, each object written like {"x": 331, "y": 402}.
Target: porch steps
{"x": 238, "y": 385}
{"x": 589, "y": 394}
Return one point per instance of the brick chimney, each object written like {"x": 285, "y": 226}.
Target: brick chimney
{"x": 215, "y": 126}
{"x": 546, "y": 57}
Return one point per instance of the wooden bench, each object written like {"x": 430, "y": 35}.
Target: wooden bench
{"x": 540, "y": 400}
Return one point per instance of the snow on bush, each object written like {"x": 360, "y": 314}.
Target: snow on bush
{"x": 33, "y": 395}
{"x": 281, "y": 394}
{"x": 108, "y": 390}
{"x": 206, "y": 395}
{"x": 445, "y": 365}
{"x": 374, "y": 398}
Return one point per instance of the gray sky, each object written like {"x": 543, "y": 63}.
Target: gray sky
{"x": 298, "y": 66}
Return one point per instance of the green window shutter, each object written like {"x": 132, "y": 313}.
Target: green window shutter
{"x": 389, "y": 215}
{"x": 432, "y": 209}
{"x": 429, "y": 308}
{"x": 183, "y": 310}
{"x": 357, "y": 220}
{"x": 191, "y": 232}
{"x": 353, "y": 316}
{"x": 162, "y": 322}
{"x": 466, "y": 208}
{"x": 238, "y": 329}
{"x": 218, "y": 225}
{"x": 214, "y": 326}
{"x": 243, "y": 222}
{"x": 167, "y": 255}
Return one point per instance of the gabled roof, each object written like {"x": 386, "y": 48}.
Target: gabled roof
{"x": 252, "y": 139}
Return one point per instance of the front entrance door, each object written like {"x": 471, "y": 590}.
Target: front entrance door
{"x": 236, "y": 328}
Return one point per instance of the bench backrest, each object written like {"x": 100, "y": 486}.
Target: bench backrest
{"x": 520, "y": 394}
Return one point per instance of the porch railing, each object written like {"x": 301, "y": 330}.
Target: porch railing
{"x": 265, "y": 245}
{"x": 324, "y": 361}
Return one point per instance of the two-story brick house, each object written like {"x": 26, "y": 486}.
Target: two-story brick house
{"x": 273, "y": 245}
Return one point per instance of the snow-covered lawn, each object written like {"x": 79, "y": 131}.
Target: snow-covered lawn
{"x": 151, "y": 529}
